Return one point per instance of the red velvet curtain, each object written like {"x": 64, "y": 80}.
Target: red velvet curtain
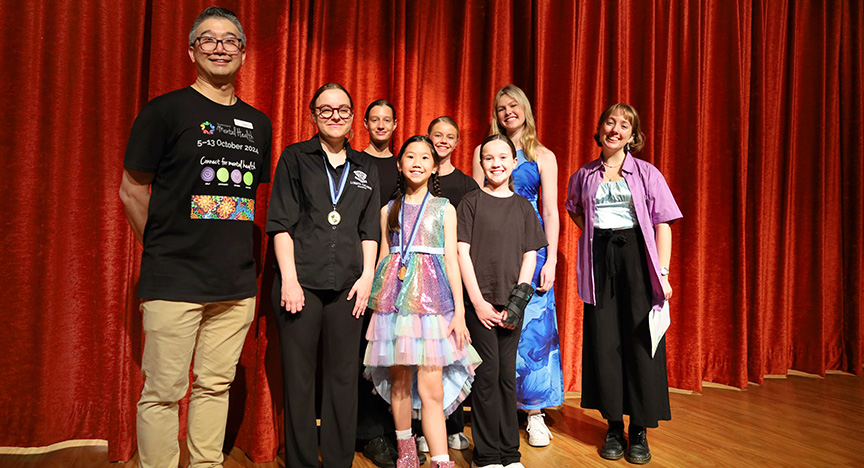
{"x": 753, "y": 111}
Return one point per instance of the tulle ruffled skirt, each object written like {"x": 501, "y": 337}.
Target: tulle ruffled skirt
{"x": 409, "y": 328}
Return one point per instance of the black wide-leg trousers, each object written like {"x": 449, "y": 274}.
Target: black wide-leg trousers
{"x": 619, "y": 376}
{"x": 373, "y": 413}
{"x": 326, "y": 317}
{"x": 494, "y": 420}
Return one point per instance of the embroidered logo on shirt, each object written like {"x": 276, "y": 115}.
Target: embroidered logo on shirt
{"x": 360, "y": 180}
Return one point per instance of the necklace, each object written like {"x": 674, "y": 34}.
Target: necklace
{"x": 609, "y": 166}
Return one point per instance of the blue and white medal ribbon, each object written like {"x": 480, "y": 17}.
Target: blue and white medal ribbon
{"x": 403, "y": 247}
{"x": 334, "y": 217}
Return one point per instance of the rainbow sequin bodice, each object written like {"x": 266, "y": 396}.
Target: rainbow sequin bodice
{"x": 430, "y": 234}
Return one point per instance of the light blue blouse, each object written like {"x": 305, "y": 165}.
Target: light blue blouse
{"x": 614, "y": 206}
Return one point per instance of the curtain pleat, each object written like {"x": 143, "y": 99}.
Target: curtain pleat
{"x": 752, "y": 111}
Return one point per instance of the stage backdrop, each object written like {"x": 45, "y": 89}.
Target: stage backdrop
{"x": 752, "y": 109}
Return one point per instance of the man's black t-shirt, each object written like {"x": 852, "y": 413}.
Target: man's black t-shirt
{"x": 500, "y": 231}
{"x": 455, "y": 185}
{"x": 208, "y": 160}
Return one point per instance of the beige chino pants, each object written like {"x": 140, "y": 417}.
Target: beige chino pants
{"x": 175, "y": 332}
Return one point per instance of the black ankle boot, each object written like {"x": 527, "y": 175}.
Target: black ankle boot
{"x": 381, "y": 451}
{"x": 614, "y": 445}
{"x": 638, "y": 453}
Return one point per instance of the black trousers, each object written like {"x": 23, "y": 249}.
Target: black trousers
{"x": 373, "y": 413}
{"x": 455, "y": 423}
{"x": 494, "y": 421}
{"x": 619, "y": 376}
{"x": 325, "y": 317}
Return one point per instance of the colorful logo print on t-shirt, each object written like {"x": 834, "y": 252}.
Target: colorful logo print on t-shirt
{"x": 208, "y": 174}
{"x": 222, "y": 174}
{"x": 222, "y": 207}
{"x": 208, "y": 128}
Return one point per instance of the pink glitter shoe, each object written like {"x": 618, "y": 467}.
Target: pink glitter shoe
{"x": 443, "y": 464}
{"x": 407, "y": 453}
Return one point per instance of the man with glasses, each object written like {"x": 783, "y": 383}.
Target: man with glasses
{"x": 193, "y": 163}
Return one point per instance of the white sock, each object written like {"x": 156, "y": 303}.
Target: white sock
{"x": 440, "y": 458}
{"x": 406, "y": 434}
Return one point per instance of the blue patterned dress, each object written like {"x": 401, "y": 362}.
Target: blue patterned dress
{"x": 539, "y": 380}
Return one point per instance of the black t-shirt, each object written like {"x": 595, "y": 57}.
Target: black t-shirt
{"x": 208, "y": 160}
{"x": 326, "y": 257}
{"x": 455, "y": 185}
{"x": 499, "y": 230}
{"x": 388, "y": 173}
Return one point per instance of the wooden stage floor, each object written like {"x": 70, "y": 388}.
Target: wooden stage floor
{"x": 794, "y": 421}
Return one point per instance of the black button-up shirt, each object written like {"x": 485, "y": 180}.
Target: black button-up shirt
{"x": 326, "y": 257}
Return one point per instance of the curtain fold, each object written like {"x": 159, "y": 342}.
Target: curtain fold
{"x": 851, "y": 123}
{"x": 752, "y": 110}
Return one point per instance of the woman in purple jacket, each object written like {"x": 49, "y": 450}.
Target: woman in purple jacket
{"x": 624, "y": 208}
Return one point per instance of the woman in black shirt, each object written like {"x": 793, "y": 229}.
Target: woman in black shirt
{"x": 323, "y": 219}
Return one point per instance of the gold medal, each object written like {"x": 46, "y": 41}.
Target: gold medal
{"x": 402, "y": 273}
{"x": 334, "y": 217}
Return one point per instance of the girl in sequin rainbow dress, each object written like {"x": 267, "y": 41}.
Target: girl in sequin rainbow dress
{"x": 419, "y": 354}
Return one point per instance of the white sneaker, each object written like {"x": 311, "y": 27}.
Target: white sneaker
{"x": 422, "y": 445}
{"x": 538, "y": 434}
{"x": 515, "y": 465}
{"x": 458, "y": 441}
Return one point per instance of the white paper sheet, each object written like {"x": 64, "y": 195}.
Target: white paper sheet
{"x": 658, "y": 323}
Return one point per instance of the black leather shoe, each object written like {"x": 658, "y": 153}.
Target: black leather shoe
{"x": 421, "y": 457}
{"x": 381, "y": 452}
{"x": 639, "y": 453}
{"x": 613, "y": 447}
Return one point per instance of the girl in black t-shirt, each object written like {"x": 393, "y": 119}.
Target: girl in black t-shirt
{"x": 498, "y": 236}
{"x": 444, "y": 134}
{"x": 380, "y": 122}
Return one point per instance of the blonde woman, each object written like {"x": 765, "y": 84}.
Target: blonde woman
{"x": 539, "y": 380}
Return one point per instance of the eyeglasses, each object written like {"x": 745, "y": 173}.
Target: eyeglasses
{"x": 230, "y": 45}
{"x": 325, "y": 112}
